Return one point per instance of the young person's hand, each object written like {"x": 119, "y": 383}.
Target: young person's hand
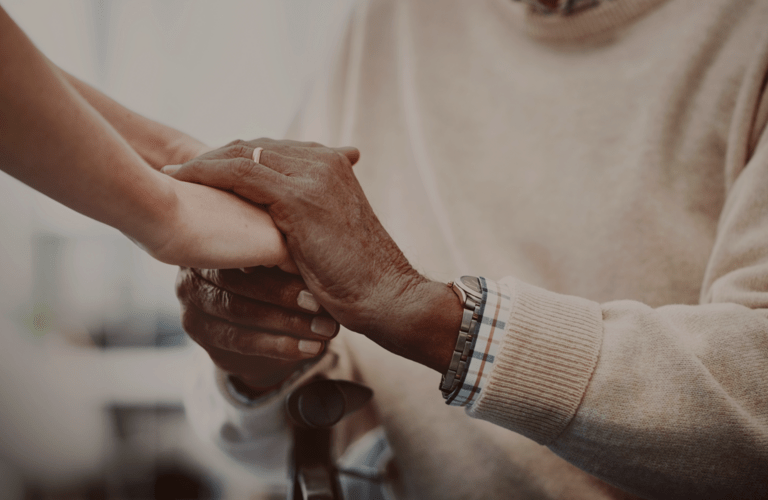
{"x": 210, "y": 228}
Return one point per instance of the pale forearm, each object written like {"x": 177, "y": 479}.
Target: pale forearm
{"x": 54, "y": 141}
{"x": 158, "y": 144}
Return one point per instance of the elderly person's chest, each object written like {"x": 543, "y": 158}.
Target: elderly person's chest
{"x": 590, "y": 169}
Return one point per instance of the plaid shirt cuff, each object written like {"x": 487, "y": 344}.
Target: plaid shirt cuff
{"x": 494, "y": 314}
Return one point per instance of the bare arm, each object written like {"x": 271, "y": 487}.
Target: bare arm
{"x": 48, "y": 129}
{"x": 158, "y": 144}
{"x": 52, "y": 139}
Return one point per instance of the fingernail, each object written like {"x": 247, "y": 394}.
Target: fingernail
{"x": 170, "y": 169}
{"x": 307, "y": 301}
{"x": 323, "y": 326}
{"x": 310, "y": 346}
{"x": 257, "y": 154}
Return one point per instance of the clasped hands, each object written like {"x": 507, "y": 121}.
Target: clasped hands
{"x": 263, "y": 324}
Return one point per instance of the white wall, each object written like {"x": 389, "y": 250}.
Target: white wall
{"x": 217, "y": 70}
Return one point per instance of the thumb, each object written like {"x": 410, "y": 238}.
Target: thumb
{"x": 352, "y": 154}
{"x": 289, "y": 265}
{"x": 242, "y": 176}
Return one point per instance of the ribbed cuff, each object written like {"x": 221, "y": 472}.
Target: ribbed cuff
{"x": 549, "y": 352}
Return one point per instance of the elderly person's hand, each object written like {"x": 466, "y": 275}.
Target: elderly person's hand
{"x": 259, "y": 326}
{"x": 348, "y": 261}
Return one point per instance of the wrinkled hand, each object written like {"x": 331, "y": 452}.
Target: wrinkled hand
{"x": 260, "y": 326}
{"x": 347, "y": 259}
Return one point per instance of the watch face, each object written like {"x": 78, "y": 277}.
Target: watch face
{"x": 472, "y": 283}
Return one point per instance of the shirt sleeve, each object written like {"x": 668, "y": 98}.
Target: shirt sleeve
{"x": 254, "y": 433}
{"x": 493, "y": 314}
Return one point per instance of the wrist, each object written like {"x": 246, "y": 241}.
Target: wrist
{"x": 249, "y": 390}
{"x": 422, "y": 324}
{"x": 182, "y": 149}
{"x": 162, "y": 146}
{"x": 155, "y": 220}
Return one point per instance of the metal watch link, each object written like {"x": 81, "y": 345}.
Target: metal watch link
{"x": 467, "y": 288}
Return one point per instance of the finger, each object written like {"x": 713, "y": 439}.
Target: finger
{"x": 304, "y": 150}
{"x": 294, "y": 168}
{"x": 264, "y": 284}
{"x": 352, "y": 154}
{"x": 243, "y": 176}
{"x": 210, "y": 330}
{"x": 235, "y": 149}
{"x": 287, "y": 164}
{"x": 225, "y": 305}
{"x": 268, "y": 143}
{"x": 257, "y": 154}
{"x": 289, "y": 265}
{"x": 299, "y": 319}
{"x": 296, "y": 149}
{"x": 231, "y": 151}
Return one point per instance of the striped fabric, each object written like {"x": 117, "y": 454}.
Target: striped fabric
{"x": 493, "y": 322}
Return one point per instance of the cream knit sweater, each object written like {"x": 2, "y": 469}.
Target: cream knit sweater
{"x": 612, "y": 168}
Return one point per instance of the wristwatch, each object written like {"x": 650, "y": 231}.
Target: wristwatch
{"x": 467, "y": 288}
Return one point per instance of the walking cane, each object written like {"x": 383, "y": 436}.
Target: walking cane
{"x": 314, "y": 409}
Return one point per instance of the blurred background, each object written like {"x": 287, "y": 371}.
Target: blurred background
{"x": 93, "y": 361}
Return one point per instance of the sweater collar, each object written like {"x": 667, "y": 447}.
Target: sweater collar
{"x": 562, "y": 7}
{"x": 579, "y": 19}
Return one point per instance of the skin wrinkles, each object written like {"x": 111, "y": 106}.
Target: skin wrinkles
{"x": 346, "y": 258}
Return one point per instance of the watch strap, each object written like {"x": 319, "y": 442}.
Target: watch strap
{"x": 494, "y": 313}
{"x": 469, "y": 293}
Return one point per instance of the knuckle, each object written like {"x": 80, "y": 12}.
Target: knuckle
{"x": 222, "y": 300}
{"x": 223, "y": 278}
{"x": 251, "y": 343}
{"x": 261, "y": 141}
{"x": 240, "y": 309}
{"x": 251, "y": 285}
{"x": 242, "y": 168}
{"x": 192, "y": 167}
{"x": 288, "y": 295}
{"x": 236, "y": 142}
{"x": 210, "y": 298}
{"x": 342, "y": 159}
{"x": 292, "y": 323}
{"x": 211, "y": 275}
{"x": 238, "y": 151}
{"x": 280, "y": 293}
{"x": 231, "y": 338}
{"x": 185, "y": 280}
{"x": 202, "y": 294}
{"x": 282, "y": 346}
{"x": 191, "y": 320}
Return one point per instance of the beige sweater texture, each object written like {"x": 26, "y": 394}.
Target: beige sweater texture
{"x": 612, "y": 168}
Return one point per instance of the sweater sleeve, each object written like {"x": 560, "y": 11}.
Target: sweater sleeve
{"x": 667, "y": 402}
